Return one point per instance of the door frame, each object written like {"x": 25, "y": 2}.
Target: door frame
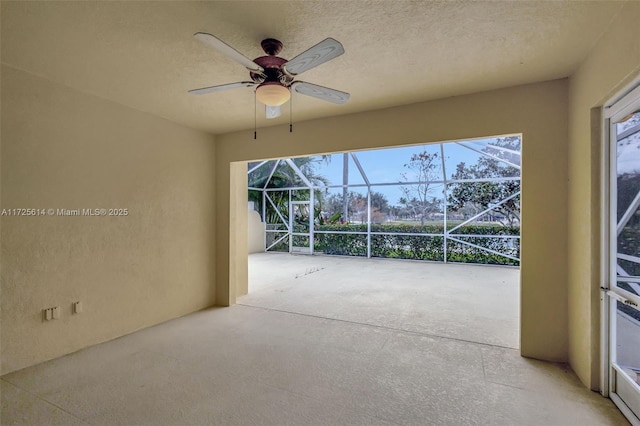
{"x": 624, "y": 103}
{"x": 311, "y": 218}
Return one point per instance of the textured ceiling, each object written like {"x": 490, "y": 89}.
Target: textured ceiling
{"x": 143, "y": 55}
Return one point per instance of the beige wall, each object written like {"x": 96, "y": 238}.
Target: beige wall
{"x": 538, "y": 111}
{"x": 611, "y": 65}
{"x": 65, "y": 149}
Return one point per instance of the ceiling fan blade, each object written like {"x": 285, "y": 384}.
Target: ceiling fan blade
{"x": 272, "y": 111}
{"x": 229, "y": 51}
{"x": 210, "y": 89}
{"x": 320, "y": 92}
{"x": 322, "y": 52}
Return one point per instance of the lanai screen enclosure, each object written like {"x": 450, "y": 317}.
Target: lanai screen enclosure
{"x": 450, "y": 202}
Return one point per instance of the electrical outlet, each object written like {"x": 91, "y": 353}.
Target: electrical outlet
{"x": 49, "y": 314}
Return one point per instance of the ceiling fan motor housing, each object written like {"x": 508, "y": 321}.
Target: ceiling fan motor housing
{"x": 272, "y": 65}
{"x": 272, "y": 70}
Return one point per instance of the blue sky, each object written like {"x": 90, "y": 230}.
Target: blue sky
{"x": 387, "y": 165}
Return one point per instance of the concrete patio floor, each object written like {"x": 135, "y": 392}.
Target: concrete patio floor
{"x": 474, "y": 303}
{"x": 249, "y": 365}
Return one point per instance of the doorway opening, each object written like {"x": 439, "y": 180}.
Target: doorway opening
{"x": 422, "y": 238}
{"x": 450, "y": 202}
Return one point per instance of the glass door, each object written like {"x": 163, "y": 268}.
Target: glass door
{"x": 301, "y": 225}
{"x": 623, "y": 293}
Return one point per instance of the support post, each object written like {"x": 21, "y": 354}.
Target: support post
{"x": 368, "y": 221}
{"x": 264, "y": 217}
{"x": 345, "y": 189}
{"x": 445, "y": 233}
{"x": 312, "y": 213}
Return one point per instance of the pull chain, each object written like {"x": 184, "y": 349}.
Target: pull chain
{"x": 291, "y": 114}
{"x": 255, "y": 116}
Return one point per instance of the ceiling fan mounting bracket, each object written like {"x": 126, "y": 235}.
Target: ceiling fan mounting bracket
{"x": 271, "y": 46}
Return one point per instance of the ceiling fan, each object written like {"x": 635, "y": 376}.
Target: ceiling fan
{"x": 273, "y": 76}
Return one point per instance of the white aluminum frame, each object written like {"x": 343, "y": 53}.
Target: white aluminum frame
{"x": 447, "y": 235}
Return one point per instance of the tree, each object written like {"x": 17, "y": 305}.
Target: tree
{"x": 482, "y": 195}
{"x": 357, "y": 207}
{"x": 417, "y": 209}
{"x": 379, "y": 207}
{"x": 418, "y": 198}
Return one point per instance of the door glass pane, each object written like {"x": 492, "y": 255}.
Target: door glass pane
{"x": 628, "y": 340}
{"x": 625, "y": 318}
{"x": 626, "y": 326}
{"x": 627, "y": 152}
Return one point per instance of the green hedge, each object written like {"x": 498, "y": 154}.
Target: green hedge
{"x": 421, "y": 247}
{"x": 418, "y": 247}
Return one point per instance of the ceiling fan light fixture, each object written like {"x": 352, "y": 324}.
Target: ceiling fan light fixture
{"x": 272, "y": 93}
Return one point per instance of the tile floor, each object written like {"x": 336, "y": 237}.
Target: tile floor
{"x": 250, "y": 365}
